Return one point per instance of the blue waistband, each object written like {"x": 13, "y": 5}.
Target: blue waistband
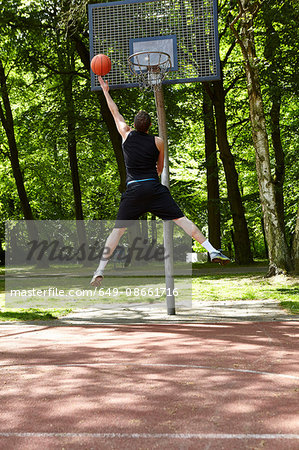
{"x": 145, "y": 179}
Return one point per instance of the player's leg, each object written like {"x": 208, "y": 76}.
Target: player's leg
{"x": 192, "y": 230}
{"x": 130, "y": 208}
{"x": 164, "y": 206}
{"x": 110, "y": 245}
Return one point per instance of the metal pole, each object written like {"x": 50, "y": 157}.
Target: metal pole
{"x": 167, "y": 225}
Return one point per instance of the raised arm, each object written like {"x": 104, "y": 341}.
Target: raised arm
{"x": 121, "y": 125}
{"x": 160, "y": 146}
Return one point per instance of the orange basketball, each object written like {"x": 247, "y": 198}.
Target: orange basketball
{"x": 100, "y": 64}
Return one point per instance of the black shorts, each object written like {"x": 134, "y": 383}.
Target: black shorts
{"x": 146, "y": 196}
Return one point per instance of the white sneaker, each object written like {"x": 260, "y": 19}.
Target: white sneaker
{"x": 218, "y": 257}
{"x": 96, "y": 279}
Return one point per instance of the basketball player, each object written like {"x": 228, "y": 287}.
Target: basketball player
{"x": 144, "y": 160}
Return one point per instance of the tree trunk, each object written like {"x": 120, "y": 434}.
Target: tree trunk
{"x": 295, "y": 246}
{"x": 2, "y": 254}
{"x": 272, "y": 48}
{"x": 106, "y": 114}
{"x": 144, "y": 227}
{"x": 134, "y": 236}
{"x": 67, "y": 80}
{"x": 67, "y": 68}
{"x": 153, "y": 229}
{"x": 279, "y": 255}
{"x": 279, "y": 158}
{"x": 241, "y": 236}
{"x": 72, "y": 144}
{"x": 8, "y": 125}
{"x": 212, "y": 173}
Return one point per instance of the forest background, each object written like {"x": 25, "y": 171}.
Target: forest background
{"x": 232, "y": 143}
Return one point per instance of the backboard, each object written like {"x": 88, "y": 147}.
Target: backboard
{"x": 166, "y": 44}
{"x": 185, "y": 29}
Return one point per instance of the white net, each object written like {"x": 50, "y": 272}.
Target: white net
{"x": 150, "y": 68}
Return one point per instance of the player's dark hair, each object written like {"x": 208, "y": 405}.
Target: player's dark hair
{"x": 142, "y": 121}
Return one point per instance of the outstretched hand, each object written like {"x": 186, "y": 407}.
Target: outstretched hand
{"x": 104, "y": 84}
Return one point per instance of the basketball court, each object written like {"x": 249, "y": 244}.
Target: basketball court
{"x": 227, "y": 385}
{"x": 143, "y": 386}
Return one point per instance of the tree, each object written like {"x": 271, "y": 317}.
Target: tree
{"x": 277, "y": 26}
{"x": 212, "y": 172}
{"x": 295, "y": 246}
{"x": 8, "y": 125}
{"x": 73, "y": 21}
{"x": 240, "y": 236}
{"x": 67, "y": 70}
{"x": 66, "y": 63}
{"x": 279, "y": 255}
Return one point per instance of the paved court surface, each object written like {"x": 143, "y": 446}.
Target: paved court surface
{"x": 150, "y": 386}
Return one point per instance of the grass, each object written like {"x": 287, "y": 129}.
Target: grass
{"x": 283, "y": 289}
{"x": 212, "y": 287}
{"x": 29, "y": 314}
{"x": 291, "y": 306}
{"x": 12, "y": 314}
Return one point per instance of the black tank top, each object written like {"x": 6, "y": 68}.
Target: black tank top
{"x": 141, "y": 155}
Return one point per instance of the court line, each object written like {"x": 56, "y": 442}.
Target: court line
{"x": 183, "y": 366}
{"x": 153, "y": 435}
{"x": 25, "y": 332}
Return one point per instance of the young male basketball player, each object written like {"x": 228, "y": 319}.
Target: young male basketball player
{"x": 144, "y": 160}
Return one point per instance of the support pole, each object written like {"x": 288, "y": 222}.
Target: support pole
{"x": 167, "y": 225}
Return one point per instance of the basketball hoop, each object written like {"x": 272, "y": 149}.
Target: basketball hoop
{"x": 150, "y": 67}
